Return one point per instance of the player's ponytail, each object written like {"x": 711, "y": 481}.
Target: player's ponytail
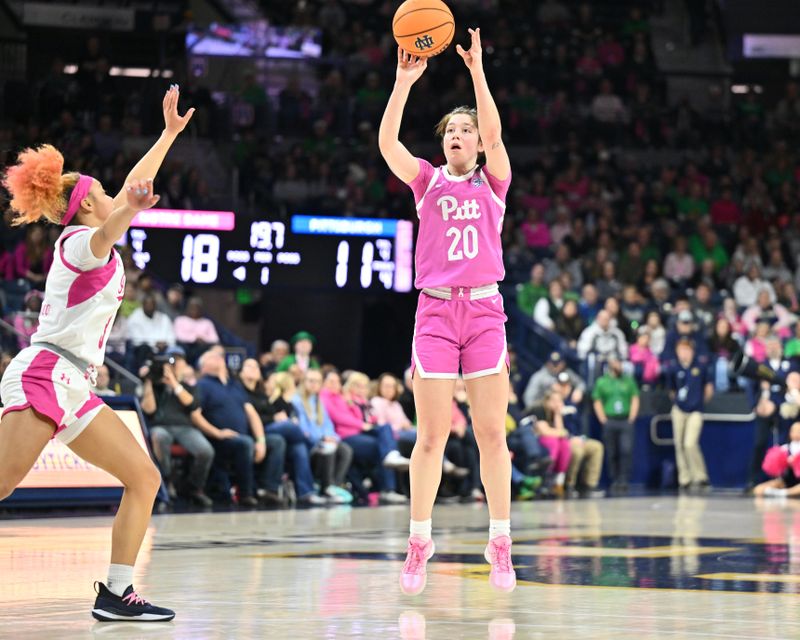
{"x": 38, "y": 188}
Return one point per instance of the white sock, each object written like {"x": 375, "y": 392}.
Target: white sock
{"x": 560, "y": 477}
{"x": 420, "y": 529}
{"x": 499, "y": 528}
{"x": 120, "y": 577}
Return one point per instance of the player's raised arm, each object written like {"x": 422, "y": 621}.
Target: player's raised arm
{"x": 497, "y": 161}
{"x": 148, "y": 166}
{"x": 400, "y": 160}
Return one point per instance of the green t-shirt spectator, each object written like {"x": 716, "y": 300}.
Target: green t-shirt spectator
{"x": 651, "y": 252}
{"x": 615, "y": 394}
{"x": 700, "y": 253}
{"x": 288, "y": 361}
{"x": 528, "y": 295}
{"x": 693, "y": 208}
{"x": 792, "y": 349}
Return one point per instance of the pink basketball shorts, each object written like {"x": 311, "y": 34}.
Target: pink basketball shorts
{"x": 464, "y": 333}
{"x": 54, "y": 387}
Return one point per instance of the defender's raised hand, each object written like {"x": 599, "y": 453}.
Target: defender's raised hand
{"x": 175, "y": 123}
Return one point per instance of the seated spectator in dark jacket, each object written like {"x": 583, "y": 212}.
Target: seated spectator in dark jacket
{"x": 586, "y": 454}
{"x": 236, "y": 433}
{"x": 543, "y": 380}
{"x": 171, "y": 407}
{"x": 269, "y": 360}
{"x": 570, "y": 324}
{"x": 280, "y": 422}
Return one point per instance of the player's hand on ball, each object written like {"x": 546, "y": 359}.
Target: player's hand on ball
{"x": 139, "y": 194}
{"x": 409, "y": 67}
{"x": 473, "y": 56}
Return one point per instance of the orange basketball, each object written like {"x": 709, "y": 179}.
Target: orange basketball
{"x": 424, "y": 28}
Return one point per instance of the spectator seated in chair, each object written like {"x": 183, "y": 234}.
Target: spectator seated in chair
{"x": 280, "y": 417}
{"x": 236, "y": 432}
{"x": 171, "y": 407}
{"x": 303, "y": 344}
{"x": 374, "y": 446}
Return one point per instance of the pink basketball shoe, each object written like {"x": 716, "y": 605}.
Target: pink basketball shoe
{"x": 498, "y": 554}
{"x": 414, "y": 577}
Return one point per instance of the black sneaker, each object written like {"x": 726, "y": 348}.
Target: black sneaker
{"x": 109, "y": 607}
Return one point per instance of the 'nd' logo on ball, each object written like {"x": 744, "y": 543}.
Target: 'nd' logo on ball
{"x": 423, "y": 27}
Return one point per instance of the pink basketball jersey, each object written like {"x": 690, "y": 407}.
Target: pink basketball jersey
{"x": 461, "y": 219}
{"x": 81, "y": 297}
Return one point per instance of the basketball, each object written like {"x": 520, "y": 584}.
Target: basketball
{"x": 424, "y": 28}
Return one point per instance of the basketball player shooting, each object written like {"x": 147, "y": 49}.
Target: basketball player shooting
{"x": 460, "y": 322}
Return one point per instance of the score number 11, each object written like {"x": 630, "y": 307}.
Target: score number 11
{"x": 367, "y": 265}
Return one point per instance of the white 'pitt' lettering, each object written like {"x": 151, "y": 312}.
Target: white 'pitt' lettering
{"x": 469, "y": 209}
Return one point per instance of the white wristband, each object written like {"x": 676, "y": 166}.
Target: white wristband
{"x": 178, "y": 389}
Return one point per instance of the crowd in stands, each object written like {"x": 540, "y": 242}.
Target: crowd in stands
{"x": 638, "y": 228}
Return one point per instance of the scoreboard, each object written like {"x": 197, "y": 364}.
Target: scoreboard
{"x": 219, "y": 249}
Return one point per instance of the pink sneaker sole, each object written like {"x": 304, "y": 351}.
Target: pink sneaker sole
{"x": 411, "y": 587}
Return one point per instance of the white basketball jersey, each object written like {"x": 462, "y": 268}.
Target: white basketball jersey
{"x": 81, "y": 298}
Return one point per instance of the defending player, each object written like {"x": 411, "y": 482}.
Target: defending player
{"x": 46, "y": 389}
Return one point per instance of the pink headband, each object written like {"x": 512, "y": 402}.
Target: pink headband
{"x": 79, "y": 192}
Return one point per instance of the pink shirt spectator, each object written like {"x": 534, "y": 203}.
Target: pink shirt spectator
{"x": 390, "y": 412}
{"x": 461, "y": 219}
{"x": 6, "y": 267}
{"x": 537, "y": 235}
{"x": 679, "y": 267}
{"x": 642, "y": 355}
{"x": 786, "y": 319}
{"x": 190, "y": 330}
{"x": 347, "y": 418}
{"x": 26, "y": 323}
{"x": 540, "y": 203}
{"x": 738, "y": 328}
{"x": 756, "y": 348}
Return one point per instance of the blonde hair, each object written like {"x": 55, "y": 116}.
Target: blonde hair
{"x": 283, "y": 384}
{"x": 37, "y": 186}
{"x": 354, "y": 378}
{"x": 305, "y": 398}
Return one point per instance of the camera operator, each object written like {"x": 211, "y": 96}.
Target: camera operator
{"x": 170, "y": 408}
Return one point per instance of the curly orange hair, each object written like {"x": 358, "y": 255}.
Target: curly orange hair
{"x": 38, "y": 188}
